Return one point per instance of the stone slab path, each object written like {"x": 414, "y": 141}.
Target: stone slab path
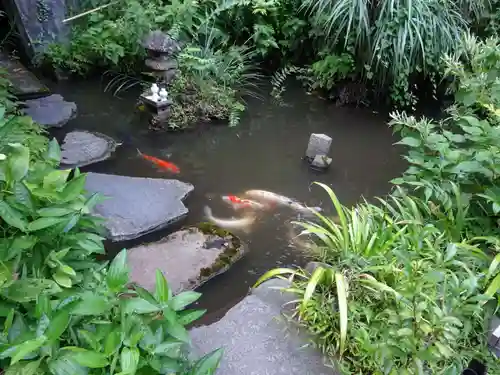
{"x": 257, "y": 341}
{"x": 137, "y": 206}
{"x": 51, "y": 111}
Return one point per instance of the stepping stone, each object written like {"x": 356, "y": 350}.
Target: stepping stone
{"x": 137, "y": 206}
{"x": 257, "y": 342}
{"x": 82, "y": 148}
{"x": 50, "y": 111}
{"x": 24, "y": 82}
{"x": 188, "y": 258}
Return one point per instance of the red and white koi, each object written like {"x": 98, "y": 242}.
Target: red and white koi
{"x": 239, "y": 203}
{"x": 274, "y": 199}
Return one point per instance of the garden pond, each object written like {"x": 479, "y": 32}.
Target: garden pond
{"x": 263, "y": 152}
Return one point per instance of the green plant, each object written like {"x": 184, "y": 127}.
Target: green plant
{"x": 106, "y": 328}
{"x": 399, "y": 40}
{"x": 330, "y": 70}
{"x": 410, "y": 302}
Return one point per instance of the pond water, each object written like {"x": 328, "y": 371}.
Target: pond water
{"x": 263, "y": 152}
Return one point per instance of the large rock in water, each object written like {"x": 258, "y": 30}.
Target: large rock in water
{"x": 82, "y": 148}
{"x": 187, "y": 258}
{"x": 137, "y": 206}
{"x": 256, "y": 341}
{"x": 51, "y": 111}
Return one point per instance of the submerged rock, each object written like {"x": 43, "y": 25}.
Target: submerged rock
{"x": 256, "y": 341}
{"x": 82, "y": 148}
{"x": 136, "y": 206}
{"x": 51, "y": 111}
{"x": 188, "y": 258}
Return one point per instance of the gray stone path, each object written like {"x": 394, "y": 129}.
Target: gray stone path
{"x": 137, "y": 206}
{"x": 257, "y": 341}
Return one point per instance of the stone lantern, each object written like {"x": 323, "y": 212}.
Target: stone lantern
{"x": 161, "y": 50}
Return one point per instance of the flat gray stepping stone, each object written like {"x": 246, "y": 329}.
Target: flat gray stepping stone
{"x": 257, "y": 342}
{"x": 137, "y": 206}
{"x": 50, "y": 111}
{"x": 188, "y": 258}
{"x": 82, "y": 148}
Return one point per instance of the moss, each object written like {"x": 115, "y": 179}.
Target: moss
{"x": 227, "y": 257}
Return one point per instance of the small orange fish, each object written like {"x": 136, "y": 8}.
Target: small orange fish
{"x": 165, "y": 165}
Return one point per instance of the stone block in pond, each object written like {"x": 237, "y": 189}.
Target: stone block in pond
{"x": 80, "y": 148}
{"x": 188, "y": 258}
{"x": 136, "y": 206}
{"x": 40, "y": 23}
{"x": 50, "y": 111}
{"x": 319, "y": 144}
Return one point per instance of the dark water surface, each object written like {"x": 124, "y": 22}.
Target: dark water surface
{"x": 263, "y": 152}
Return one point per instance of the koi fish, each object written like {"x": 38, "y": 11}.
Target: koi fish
{"x": 277, "y": 199}
{"x": 239, "y": 203}
{"x": 243, "y": 223}
{"x": 162, "y": 164}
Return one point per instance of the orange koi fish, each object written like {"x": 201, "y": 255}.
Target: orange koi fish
{"x": 238, "y": 203}
{"x": 162, "y": 164}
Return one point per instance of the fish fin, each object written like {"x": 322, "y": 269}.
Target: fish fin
{"x": 139, "y": 152}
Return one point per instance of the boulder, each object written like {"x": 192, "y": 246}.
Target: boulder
{"x": 50, "y": 111}
{"x": 257, "y": 342}
{"x": 136, "y": 206}
{"x": 82, "y": 148}
{"x": 188, "y": 258}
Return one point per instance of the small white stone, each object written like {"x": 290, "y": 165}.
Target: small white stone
{"x": 321, "y": 161}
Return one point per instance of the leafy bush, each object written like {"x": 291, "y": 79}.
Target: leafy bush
{"x": 398, "y": 293}
{"x": 15, "y": 128}
{"x": 465, "y": 147}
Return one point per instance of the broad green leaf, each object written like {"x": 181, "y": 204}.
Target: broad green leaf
{"x": 92, "y": 304}
{"x": 494, "y": 286}
{"x": 64, "y": 365}
{"x": 342, "y": 305}
{"x": 177, "y": 331}
{"x": 27, "y": 347}
{"x": 58, "y": 324}
{"x": 183, "y": 299}
{"x": 26, "y": 290}
{"x": 169, "y": 348}
{"x": 165, "y": 365}
{"x": 54, "y": 211}
{"x": 451, "y": 251}
{"x": 409, "y": 141}
{"x": 18, "y": 161}
{"x": 207, "y": 365}
{"x": 145, "y": 294}
{"x": 129, "y": 360}
{"x": 139, "y": 306}
{"x": 45, "y": 222}
{"x": 12, "y": 217}
{"x": 113, "y": 342}
{"x": 188, "y": 316}
{"x": 117, "y": 276}
{"x": 55, "y": 179}
{"x": 312, "y": 283}
{"x": 67, "y": 270}
{"x": 467, "y": 167}
{"x": 87, "y": 358}
{"x": 62, "y": 279}
{"x": 273, "y": 273}
{"x": 54, "y": 151}
{"x": 73, "y": 189}
{"x": 24, "y": 368}
{"x": 162, "y": 290}
{"x": 23, "y": 195}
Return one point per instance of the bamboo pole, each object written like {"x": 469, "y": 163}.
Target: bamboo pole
{"x": 88, "y": 12}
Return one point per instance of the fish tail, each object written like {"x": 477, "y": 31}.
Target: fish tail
{"x": 208, "y": 212}
{"x": 139, "y": 152}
